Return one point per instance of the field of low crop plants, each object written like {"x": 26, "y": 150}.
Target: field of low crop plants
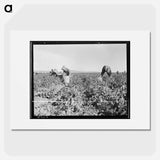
{"x": 85, "y": 95}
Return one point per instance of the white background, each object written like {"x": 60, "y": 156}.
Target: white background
{"x": 139, "y": 77}
{"x": 86, "y": 145}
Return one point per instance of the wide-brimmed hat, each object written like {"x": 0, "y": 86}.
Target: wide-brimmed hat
{"x": 64, "y": 68}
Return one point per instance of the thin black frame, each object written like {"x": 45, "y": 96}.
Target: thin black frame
{"x": 32, "y": 43}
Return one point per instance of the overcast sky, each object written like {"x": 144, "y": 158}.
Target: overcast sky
{"x": 80, "y": 57}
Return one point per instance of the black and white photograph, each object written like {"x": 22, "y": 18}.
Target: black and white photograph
{"x": 80, "y": 79}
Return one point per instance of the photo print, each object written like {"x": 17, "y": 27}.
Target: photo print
{"x": 80, "y": 79}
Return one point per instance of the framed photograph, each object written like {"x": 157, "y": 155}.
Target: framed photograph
{"x": 80, "y": 79}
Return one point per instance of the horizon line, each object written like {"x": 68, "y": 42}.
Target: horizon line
{"x": 73, "y": 71}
